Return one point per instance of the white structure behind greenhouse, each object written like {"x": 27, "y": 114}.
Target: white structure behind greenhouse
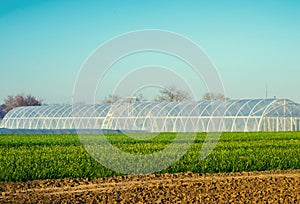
{"x": 204, "y": 116}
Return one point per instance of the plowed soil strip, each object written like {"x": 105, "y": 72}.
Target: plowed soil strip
{"x": 277, "y": 186}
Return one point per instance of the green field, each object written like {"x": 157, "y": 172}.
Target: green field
{"x": 31, "y": 157}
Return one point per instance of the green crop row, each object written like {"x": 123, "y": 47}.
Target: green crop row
{"x": 31, "y": 157}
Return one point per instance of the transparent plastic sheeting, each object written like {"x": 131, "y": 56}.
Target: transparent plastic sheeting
{"x": 202, "y": 116}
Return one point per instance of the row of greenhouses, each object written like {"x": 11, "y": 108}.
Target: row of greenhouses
{"x": 202, "y": 116}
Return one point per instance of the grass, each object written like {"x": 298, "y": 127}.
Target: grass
{"x": 31, "y": 157}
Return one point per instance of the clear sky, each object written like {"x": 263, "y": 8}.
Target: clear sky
{"x": 43, "y": 44}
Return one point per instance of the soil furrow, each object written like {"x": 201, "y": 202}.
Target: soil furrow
{"x": 273, "y": 186}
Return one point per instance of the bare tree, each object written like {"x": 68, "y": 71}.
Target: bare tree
{"x": 214, "y": 96}
{"x": 112, "y": 99}
{"x": 172, "y": 94}
{"x": 12, "y": 102}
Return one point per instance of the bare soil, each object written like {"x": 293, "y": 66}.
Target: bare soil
{"x": 253, "y": 187}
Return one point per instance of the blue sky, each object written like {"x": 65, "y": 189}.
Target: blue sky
{"x": 43, "y": 44}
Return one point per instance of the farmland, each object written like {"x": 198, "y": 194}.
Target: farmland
{"x": 254, "y": 187}
{"x": 37, "y": 157}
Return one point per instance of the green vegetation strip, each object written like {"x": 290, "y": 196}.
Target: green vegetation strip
{"x": 31, "y": 157}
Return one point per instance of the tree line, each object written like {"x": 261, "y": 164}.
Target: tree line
{"x": 171, "y": 94}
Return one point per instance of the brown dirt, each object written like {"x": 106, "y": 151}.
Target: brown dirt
{"x": 254, "y": 187}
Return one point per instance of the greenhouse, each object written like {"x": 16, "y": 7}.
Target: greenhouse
{"x": 203, "y": 116}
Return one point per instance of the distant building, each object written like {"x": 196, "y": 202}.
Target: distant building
{"x": 2, "y": 111}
